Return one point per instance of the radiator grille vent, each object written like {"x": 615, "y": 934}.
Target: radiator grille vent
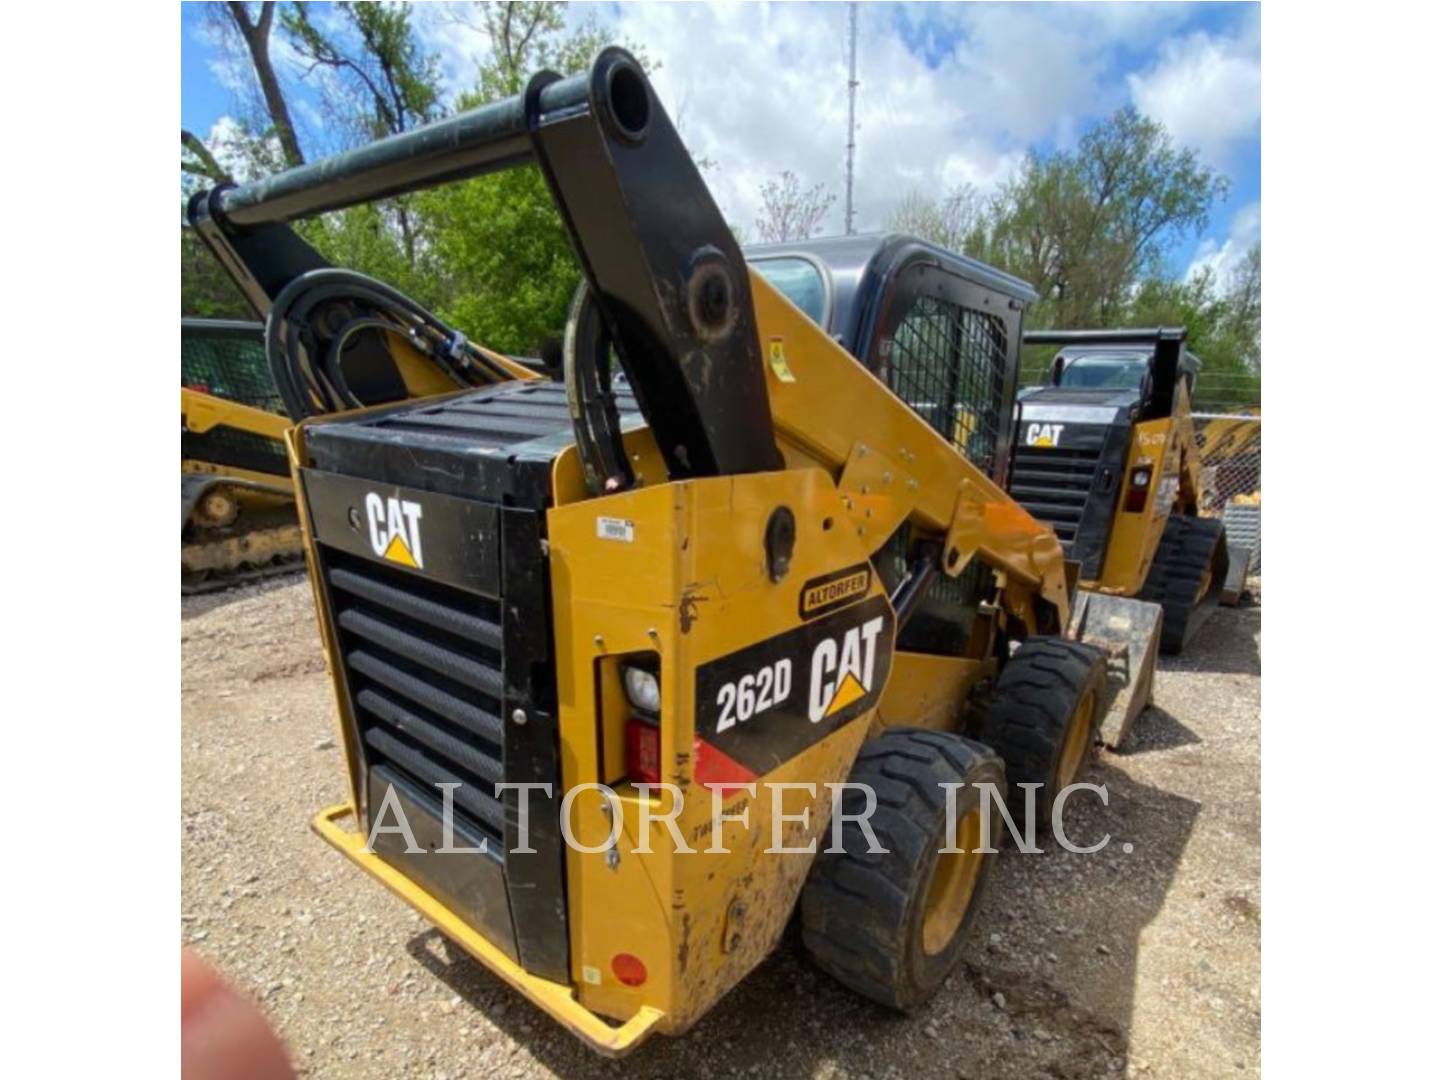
{"x": 423, "y": 662}
{"x": 1054, "y": 485}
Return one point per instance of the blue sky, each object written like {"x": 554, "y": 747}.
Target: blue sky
{"x": 949, "y": 93}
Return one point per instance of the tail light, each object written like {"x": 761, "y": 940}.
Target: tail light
{"x": 1138, "y": 490}
{"x": 629, "y": 969}
{"x": 711, "y": 765}
{"x": 642, "y": 750}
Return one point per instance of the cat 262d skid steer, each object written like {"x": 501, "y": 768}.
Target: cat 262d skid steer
{"x": 543, "y": 603}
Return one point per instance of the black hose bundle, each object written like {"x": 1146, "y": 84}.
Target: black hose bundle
{"x": 317, "y": 315}
{"x": 590, "y": 389}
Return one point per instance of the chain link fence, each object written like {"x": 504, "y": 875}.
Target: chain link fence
{"x": 1230, "y": 473}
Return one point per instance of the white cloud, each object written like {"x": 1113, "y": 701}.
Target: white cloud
{"x": 1223, "y": 258}
{"x": 949, "y": 93}
{"x": 1205, "y": 90}
{"x": 762, "y": 89}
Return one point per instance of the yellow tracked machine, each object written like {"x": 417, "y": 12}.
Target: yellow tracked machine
{"x": 1106, "y": 454}
{"x": 237, "y": 506}
{"x": 580, "y": 632}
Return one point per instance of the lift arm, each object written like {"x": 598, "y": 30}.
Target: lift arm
{"x": 676, "y": 300}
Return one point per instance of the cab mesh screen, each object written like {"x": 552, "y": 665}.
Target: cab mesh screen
{"x": 229, "y": 363}
{"x": 948, "y": 364}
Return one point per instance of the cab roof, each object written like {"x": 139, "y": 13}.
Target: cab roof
{"x": 1124, "y": 341}
{"x": 857, "y": 270}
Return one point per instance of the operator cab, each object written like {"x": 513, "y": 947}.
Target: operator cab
{"x": 1137, "y": 370}
{"x": 942, "y": 331}
{"x": 1072, "y": 434}
{"x": 1105, "y": 371}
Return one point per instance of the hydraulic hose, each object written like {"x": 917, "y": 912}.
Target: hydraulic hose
{"x": 592, "y": 398}
{"x": 307, "y": 362}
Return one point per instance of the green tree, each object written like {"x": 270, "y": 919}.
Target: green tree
{"x": 790, "y": 212}
{"x": 383, "y": 85}
{"x": 497, "y": 241}
{"x": 255, "y": 33}
{"x": 206, "y": 291}
{"x": 389, "y": 84}
{"x": 1223, "y": 326}
{"x": 1084, "y": 225}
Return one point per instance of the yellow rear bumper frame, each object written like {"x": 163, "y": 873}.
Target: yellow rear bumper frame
{"x": 554, "y": 998}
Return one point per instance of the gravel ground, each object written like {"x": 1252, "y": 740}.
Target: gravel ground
{"x": 1142, "y": 963}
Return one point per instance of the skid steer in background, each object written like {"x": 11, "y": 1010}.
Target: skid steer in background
{"x": 1106, "y": 454}
{"x": 237, "y": 499}
{"x": 237, "y": 503}
{"x": 528, "y": 590}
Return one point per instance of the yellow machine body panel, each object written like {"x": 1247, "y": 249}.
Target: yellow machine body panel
{"x": 931, "y": 691}
{"x": 422, "y": 378}
{"x": 831, "y": 411}
{"x": 1168, "y": 444}
{"x": 200, "y": 412}
{"x": 691, "y": 587}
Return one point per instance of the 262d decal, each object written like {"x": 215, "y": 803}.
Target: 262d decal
{"x": 766, "y": 703}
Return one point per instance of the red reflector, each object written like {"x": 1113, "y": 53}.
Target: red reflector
{"x": 628, "y": 969}
{"x": 642, "y": 752}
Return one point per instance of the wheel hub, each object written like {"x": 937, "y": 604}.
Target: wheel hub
{"x": 952, "y": 885}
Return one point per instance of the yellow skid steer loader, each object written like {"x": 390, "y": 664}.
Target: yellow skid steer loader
{"x": 623, "y": 665}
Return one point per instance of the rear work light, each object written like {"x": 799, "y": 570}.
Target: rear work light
{"x": 1138, "y": 489}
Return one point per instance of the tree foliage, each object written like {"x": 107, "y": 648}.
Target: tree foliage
{"x": 1084, "y": 225}
{"x": 789, "y": 211}
{"x": 254, "y": 32}
{"x": 1090, "y": 227}
{"x": 499, "y": 238}
{"x": 384, "y": 84}
{"x": 206, "y": 291}
{"x": 956, "y": 221}
{"x": 489, "y": 255}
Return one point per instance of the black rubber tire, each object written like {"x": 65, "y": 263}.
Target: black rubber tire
{"x": 1188, "y": 547}
{"x": 1036, "y": 700}
{"x": 862, "y": 914}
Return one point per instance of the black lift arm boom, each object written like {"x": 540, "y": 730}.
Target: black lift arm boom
{"x": 666, "y": 275}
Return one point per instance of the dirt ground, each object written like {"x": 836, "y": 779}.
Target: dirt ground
{"x": 1143, "y": 963}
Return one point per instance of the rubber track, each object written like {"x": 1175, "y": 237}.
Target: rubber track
{"x": 1187, "y": 549}
{"x": 215, "y": 581}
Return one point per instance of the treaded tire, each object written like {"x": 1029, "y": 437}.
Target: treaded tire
{"x": 862, "y": 914}
{"x": 1189, "y": 547}
{"x": 1037, "y": 698}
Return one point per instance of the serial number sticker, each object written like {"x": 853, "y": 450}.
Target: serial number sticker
{"x": 608, "y": 528}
